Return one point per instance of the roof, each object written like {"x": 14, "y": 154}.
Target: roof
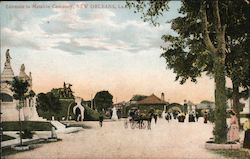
{"x": 152, "y": 100}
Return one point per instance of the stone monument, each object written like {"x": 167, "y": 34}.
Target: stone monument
{"x": 78, "y": 110}
{"x": 114, "y": 114}
{"x": 8, "y": 103}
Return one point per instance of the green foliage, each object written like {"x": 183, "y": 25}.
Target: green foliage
{"x": 58, "y": 111}
{"x": 31, "y": 93}
{"x": 6, "y": 138}
{"x": 90, "y": 114}
{"x": 151, "y": 10}
{"x": 212, "y": 38}
{"x": 138, "y": 97}
{"x": 103, "y": 100}
{"x": 19, "y": 88}
{"x": 207, "y": 102}
{"x": 48, "y": 105}
{"x": 236, "y": 154}
{"x": 211, "y": 116}
{"x": 27, "y": 125}
{"x": 27, "y": 134}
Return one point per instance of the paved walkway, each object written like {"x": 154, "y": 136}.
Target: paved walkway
{"x": 113, "y": 141}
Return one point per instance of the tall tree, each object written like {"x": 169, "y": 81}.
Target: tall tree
{"x": 201, "y": 46}
{"x": 48, "y": 104}
{"x": 20, "y": 89}
{"x": 103, "y": 100}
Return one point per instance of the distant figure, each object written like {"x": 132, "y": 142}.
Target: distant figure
{"x": 170, "y": 116}
{"x": 149, "y": 120}
{"x": 197, "y": 116}
{"x": 181, "y": 117}
{"x": 205, "y": 117}
{"x": 191, "y": 117}
{"x": 100, "y": 120}
{"x": 233, "y": 133}
{"x": 155, "y": 117}
{"x": 167, "y": 117}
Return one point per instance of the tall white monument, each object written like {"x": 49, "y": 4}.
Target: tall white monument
{"x": 79, "y": 106}
{"x": 114, "y": 114}
{"x": 8, "y": 103}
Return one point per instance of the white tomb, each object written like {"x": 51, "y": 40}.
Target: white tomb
{"x": 114, "y": 114}
{"x": 8, "y": 103}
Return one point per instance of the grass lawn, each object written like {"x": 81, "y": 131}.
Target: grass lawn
{"x": 6, "y": 137}
{"x": 236, "y": 154}
{"x": 8, "y": 150}
{"x": 29, "y": 125}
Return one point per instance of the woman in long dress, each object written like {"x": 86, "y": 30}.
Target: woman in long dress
{"x": 233, "y": 133}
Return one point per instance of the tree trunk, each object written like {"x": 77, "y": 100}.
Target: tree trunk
{"x": 220, "y": 129}
{"x": 20, "y": 123}
{"x": 236, "y": 98}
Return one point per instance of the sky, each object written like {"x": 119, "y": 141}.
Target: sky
{"x": 94, "y": 46}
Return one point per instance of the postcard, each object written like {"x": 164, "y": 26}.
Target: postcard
{"x": 124, "y": 80}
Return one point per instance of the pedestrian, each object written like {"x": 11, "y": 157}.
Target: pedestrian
{"x": 150, "y": 116}
{"x": 170, "y": 116}
{"x": 100, "y": 119}
{"x": 155, "y": 117}
{"x": 205, "y": 117}
{"x": 167, "y": 117}
{"x": 197, "y": 116}
{"x": 233, "y": 133}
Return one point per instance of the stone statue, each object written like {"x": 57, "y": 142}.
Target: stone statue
{"x": 7, "y": 54}
{"x": 22, "y": 69}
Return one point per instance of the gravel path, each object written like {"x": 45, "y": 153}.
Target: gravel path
{"x": 112, "y": 141}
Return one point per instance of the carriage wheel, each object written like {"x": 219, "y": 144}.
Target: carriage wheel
{"x": 137, "y": 125}
{"x": 144, "y": 125}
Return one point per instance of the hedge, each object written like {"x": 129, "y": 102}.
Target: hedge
{"x": 26, "y": 125}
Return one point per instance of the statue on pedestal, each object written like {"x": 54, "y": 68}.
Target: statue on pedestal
{"x": 7, "y": 55}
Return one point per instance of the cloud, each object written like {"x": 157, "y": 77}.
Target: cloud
{"x": 79, "y": 31}
{"x": 24, "y": 39}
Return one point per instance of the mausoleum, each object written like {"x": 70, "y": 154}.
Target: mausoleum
{"x": 8, "y": 103}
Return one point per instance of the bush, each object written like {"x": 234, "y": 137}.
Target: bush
{"x": 27, "y": 134}
{"x": 6, "y": 137}
{"x": 29, "y": 125}
{"x": 90, "y": 114}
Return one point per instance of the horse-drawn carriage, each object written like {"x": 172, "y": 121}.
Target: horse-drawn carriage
{"x": 139, "y": 120}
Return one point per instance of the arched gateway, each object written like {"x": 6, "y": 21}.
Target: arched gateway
{"x": 174, "y": 108}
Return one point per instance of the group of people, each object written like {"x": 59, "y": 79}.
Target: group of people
{"x": 233, "y": 129}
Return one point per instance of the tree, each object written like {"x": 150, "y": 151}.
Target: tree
{"x": 19, "y": 88}
{"x": 138, "y": 97}
{"x": 236, "y": 58}
{"x": 48, "y": 104}
{"x": 103, "y": 100}
{"x": 201, "y": 44}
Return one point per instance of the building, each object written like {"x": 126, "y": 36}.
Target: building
{"x": 152, "y": 102}
{"x": 8, "y": 103}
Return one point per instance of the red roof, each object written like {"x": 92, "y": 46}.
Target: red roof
{"x": 152, "y": 100}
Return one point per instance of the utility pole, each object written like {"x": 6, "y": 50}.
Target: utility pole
{"x": 91, "y": 101}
